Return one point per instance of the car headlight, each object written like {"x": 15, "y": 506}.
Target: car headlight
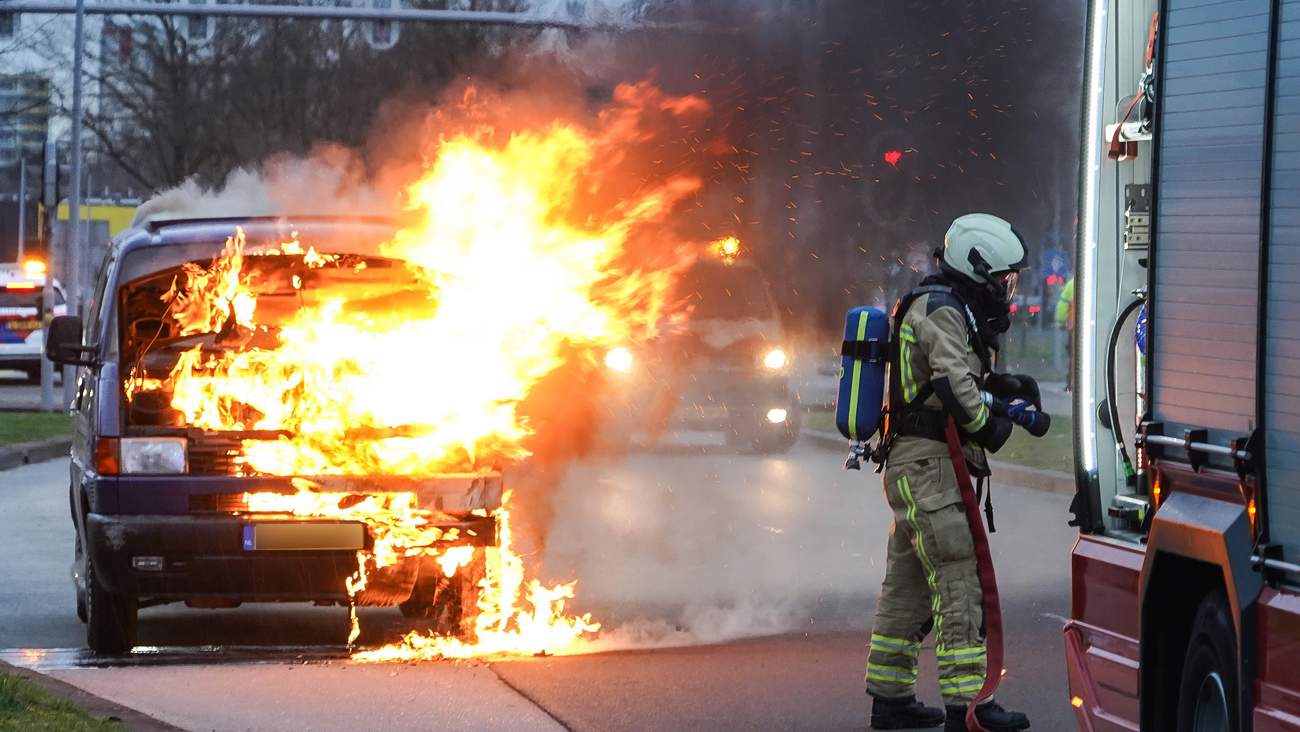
{"x": 774, "y": 360}
{"x": 619, "y": 359}
{"x": 152, "y": 455}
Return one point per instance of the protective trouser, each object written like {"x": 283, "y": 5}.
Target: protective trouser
{"x": 930, "y": 582}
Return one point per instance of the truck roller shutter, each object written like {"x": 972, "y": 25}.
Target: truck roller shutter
{"x": 1211, "y": 150}
{"x": 1282, "y": 360}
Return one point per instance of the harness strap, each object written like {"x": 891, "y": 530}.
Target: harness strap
{"x": 988, "y": 579}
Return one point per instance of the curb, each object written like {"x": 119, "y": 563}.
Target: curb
{"x": 96, "y": 706}
{"x": 1049, "y": 481}
{"x": 26, "y": 453}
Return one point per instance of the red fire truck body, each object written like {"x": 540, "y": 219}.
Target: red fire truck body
{"x": 1186, "y": 574}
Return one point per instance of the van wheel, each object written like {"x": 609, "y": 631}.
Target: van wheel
{"x": 111, "y": 617}
{"x": 1208, "y": 693}
{"x": 78, "y": 570}
{"x": 450, "y": 602}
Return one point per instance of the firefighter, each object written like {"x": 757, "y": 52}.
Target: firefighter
{"x": 946, "y": 333}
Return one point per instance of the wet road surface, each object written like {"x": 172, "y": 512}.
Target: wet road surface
{"x": 736, "y": 593}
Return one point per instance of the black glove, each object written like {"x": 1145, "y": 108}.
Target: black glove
{"x": 1014, "y": 386}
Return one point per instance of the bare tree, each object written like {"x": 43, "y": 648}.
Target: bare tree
{"x": 173, "y": 106}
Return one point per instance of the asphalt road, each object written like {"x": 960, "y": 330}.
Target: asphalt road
{"x": 736, "y": 593}
{"x": 16, "y": 393}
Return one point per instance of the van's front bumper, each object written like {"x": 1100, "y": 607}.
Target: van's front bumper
{"x": 213, "y": 557}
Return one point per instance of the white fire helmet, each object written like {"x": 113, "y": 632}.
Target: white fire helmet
{"x": 986, "y": 250}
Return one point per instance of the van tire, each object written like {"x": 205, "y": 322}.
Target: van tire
{"x": 1209, "y": 691}
{"x": 111, "y": 617}
{"x": 79, "y": 562}
{"x": 450, "y": 603}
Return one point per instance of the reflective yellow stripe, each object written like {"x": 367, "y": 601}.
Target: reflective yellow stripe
{"x": 895, "y": 645}
{"x": 893, "y": 673}
{"x": 857, "y": 376}
{"x": 981, "y": 419}
{"x": 905, "y": 490}
{"x": 906, "y": 339}
{"x": 975, "y": 659}
{"x": 959, "y": 684}
{"x": 960, "y": 653}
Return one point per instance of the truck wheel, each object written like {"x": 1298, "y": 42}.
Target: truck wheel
{"x": 110, "y": 617}
{"x": 1208, "y": 693}
{"x": 79, "y": 568}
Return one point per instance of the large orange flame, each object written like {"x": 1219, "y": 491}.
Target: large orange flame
{"x": 523, "y": 247}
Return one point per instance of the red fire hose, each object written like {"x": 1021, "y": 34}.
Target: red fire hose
{"x": 988, "y": 580}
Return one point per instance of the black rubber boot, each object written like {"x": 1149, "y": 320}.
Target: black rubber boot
{"x": 991, "y": 716}
{"x": 905, "y": 713}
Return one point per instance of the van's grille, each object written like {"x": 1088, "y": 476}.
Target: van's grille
{"x": 214, "y": 455}
{"x": 218, "y": 503}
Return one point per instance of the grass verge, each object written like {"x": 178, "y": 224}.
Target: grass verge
{"x": 32, "y": 426}
{"x": 1053, "y": 451}
{"x": 25, "y": 706}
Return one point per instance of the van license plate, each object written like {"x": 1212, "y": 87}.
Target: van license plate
{"x": 306, "y": 536}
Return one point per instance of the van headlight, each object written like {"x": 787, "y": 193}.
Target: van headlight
{"x": 153, "y": 455}
{"x": 774, "y": 360}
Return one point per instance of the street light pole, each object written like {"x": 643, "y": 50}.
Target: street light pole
{"x": 73, "y": 243}
{"x": 22, "y": 206}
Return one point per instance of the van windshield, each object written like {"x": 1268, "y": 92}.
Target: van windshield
{"x": 170, "y": 312}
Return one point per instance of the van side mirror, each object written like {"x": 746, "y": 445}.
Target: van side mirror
{"x": 63, "y": 342}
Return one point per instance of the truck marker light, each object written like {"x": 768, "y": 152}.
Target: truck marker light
{"x": 1251, "y": 510}
{"x": 1076, "y": 702}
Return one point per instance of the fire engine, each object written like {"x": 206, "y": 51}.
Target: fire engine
{"x": 1186, "y": 573}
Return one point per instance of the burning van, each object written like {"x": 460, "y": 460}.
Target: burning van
{"x": 225, "y": 450}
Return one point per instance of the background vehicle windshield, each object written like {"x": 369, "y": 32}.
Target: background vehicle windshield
{"x": 722, "y": 292}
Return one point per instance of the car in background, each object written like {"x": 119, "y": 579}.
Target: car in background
{"x": 724, "y": 369}
{"x": 22, "y": 330}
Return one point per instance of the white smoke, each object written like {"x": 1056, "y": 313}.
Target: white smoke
{"x": 681, "y": 549}
{"x": 332, "y": 182}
